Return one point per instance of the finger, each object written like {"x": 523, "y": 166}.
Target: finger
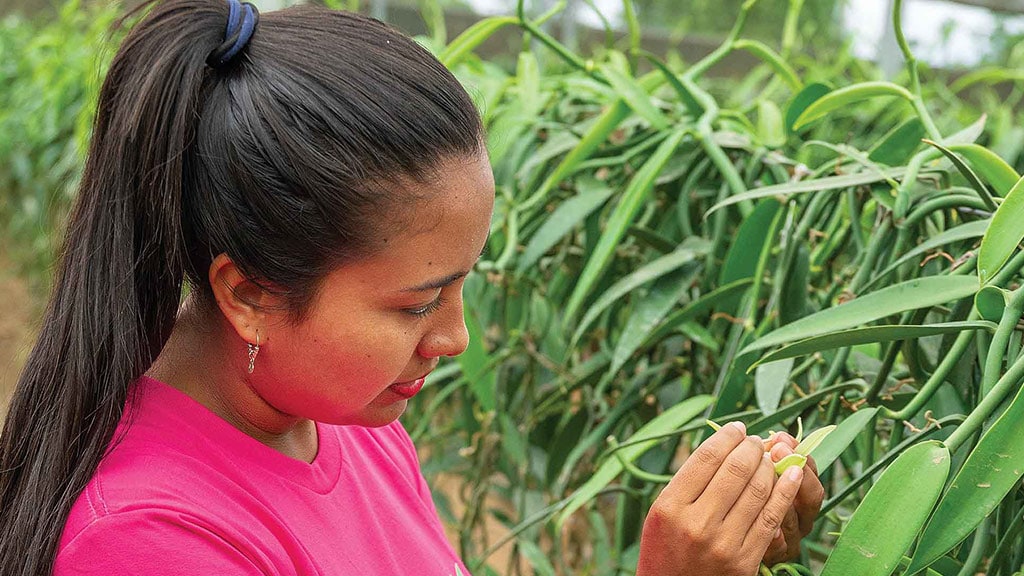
{"x": 776, "y": 550}
{"x": 751, "y": 501}
{"x": 774, "y": 511}
{"x": 809, "y": 498}
{"x": 693, "y": 476}
{"x": 786, "y": 439}
{"x": 812, "y": 466}
{"x": 732, "y": 477}
{"x": 780, "y": 451}
{"x": 791, "y": 534}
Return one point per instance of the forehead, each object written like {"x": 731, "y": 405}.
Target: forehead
{"x": 441, "y": 230}
{"x": 461, "y": 190}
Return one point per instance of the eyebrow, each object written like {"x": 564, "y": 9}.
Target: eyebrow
{"x": 442, "y": 282}
{"x": 438, "y": 283}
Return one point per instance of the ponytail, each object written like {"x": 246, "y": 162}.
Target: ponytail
{"x": 117, "y": 286}
{"x": 280, "y": 158}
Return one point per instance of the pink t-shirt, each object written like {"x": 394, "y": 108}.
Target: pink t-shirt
{"x": 186, "y": 493}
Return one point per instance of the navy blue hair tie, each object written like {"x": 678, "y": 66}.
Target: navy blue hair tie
{"x": 242, "y": 20}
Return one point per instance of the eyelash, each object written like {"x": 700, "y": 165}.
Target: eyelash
{"x": 428, "y": 309}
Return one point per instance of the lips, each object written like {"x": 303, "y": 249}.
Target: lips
{"x": 407, "y": 389}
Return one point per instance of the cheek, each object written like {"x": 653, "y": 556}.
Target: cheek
{"x": 339, "y": 371}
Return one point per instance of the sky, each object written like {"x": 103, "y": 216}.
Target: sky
{"x": 925, "y": 23}
{"x": 941, "y": 33}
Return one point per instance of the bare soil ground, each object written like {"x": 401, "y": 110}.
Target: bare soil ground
{"x": 17, "y": 316}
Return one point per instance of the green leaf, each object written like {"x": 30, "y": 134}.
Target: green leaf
{"x": 566, "y": 217}
{"x": 773, "y": 60}
{"x": 649, "y": 312}
{"x": 910, "y": 295}
{"x": 770, "y": 381}
{"x": 814, "y": 439}
{"x": 750, "y": 238}
{"x": 896, "y": 147}
{"x": 992, "y": 469}
{"x": 794, "y": 459}
{"x": 953, "y": 235}
{"x": 989, "y": 165}
{"x": 473, "y": 37}
{"x": 869, "y": 335}
{"x": 669, "y": 420}
{"x": 636, "y": 97}
{"x": 598, "y": 134}
{"x": 990, "y": 302}
{"x": 809, "y": 95}
{"x": 528, "y": 80}
{"x": 1003, "y": 235}
{"x": 969, "y": 174}
{"x": 892, "y": 513}
{"x": 988, "y": 75}
{"x": 969, "y": 134}
{"x": 769, "y": 124}
{"x": 635, "y": 279}
{"x": 848, "y": 96}
{"x": 830, "y": 183}
{"x": 687, "y": 97}
{"x": 712, "y": 299}
{"x": 620, "y": 220}
{"x": 793, "y": 303}
{"x": 840, "y": 439}
{"x": 474, "y": 362}
{"x": 536, "y": 557}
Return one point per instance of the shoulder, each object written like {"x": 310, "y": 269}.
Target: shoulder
{"x": 139, "y": 486}
{"x": 154, "y": 541}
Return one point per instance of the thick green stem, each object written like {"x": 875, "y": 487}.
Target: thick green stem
{"x": 878, "y": 241}
{"x": 1010, "y": 537}
{"x": 978, "y": 547}
{"x": 723, "y": 50}
{"x": 988, "y": 405}
{"x": 956, "y": 351}
{"x": 725, "y": 167}
{"x": 885, "y": 460}
{"x": 997, "y": 349}
{"x": 888, "y": 360}
{"x": 915, "y": 80}
{"x": 942, "y": 203}
{"x": 909, "y": 179}
{"x": 789, "y": 29}
{"x": 635, "y": 470}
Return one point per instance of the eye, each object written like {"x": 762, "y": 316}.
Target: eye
{"x": 428, "y": 309}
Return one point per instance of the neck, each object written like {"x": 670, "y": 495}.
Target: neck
{"x": 205, "y": 359}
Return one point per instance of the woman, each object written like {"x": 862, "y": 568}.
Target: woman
{"x": 316, "y": 182}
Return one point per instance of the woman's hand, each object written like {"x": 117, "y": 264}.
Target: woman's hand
{"x": 720, "y": 512}
{"x": 800, "y": 518}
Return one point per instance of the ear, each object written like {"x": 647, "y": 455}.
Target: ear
{"x": 245, "y": 305}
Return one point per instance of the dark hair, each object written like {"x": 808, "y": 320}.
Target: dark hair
{"x": 285, "y": 159}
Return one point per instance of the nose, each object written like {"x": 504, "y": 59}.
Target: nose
{"x": 449, "y": 337}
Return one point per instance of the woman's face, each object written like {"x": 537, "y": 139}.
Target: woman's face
{"x": 380, "y": 324}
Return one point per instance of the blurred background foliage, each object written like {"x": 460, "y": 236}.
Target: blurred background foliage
{"x": 52, "y": 57}
{"x": 659, "y": 213}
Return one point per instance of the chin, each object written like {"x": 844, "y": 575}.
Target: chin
{"x": 371, "y": 416}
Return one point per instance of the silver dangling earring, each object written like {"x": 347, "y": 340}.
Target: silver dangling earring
{"x": 254, "y": 349}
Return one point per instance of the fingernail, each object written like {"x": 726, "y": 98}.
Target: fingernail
{"x": 794, "y": 473}
{"x": 778, "y": 533}
{"x": 739, "y": 426}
